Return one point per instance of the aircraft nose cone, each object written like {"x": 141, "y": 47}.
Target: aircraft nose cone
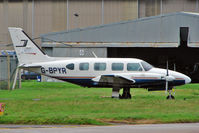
{"x": 187, "y": 80}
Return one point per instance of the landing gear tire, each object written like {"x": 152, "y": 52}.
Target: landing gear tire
{"x": 126, "y": 94}
{"x": 170, "y": 97}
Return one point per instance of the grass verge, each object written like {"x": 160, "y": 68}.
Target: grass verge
{"x": 64, "y": 103}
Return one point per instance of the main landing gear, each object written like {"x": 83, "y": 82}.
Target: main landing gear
{"x": 125, "y": 95}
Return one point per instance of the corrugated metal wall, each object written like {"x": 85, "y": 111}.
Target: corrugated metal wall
{"x": 118, "y": 10}
{"x": 88, "y": 11}
{"x": 155, "y": 7}
{"x": 42, "y": 16}
{"x": 15, "y": 13}
{"x": 179, "y": 5}
{"x": 149, "y": 8}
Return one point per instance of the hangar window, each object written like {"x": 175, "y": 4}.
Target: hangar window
{"x": 117, "y": 66}
{"x": 83, "y": 66}
{"x": 134, "y": 67}
{"x": 70, "y": 66}
{"x": 146, "y": 66}
{"x": 100, "y": 66}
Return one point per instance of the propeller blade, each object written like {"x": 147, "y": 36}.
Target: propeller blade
{"x": 174, "y": 90}
{"x": 174, "y": 67}
{"x": 167, "y": 69}
{"x": 167, "y": 74}
{"x": 166, "y": 88}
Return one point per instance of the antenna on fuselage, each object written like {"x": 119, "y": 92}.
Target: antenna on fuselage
{"x": 94, "y": 54}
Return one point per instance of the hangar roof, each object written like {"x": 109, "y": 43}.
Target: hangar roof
{"x": 155, "y": 31}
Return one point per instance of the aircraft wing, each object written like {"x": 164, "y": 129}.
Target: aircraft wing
{"x": 114, "y": 79}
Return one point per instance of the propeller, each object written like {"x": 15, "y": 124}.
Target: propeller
{"x": 167, "y": 82}
{"x": 174, "y": 68}
{"x": 168, "y": 78}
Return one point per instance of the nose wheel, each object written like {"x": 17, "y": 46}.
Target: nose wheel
{"x": 170, "y": 96}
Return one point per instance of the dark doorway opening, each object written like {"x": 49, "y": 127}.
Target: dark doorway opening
{"x": 184, "y": 36}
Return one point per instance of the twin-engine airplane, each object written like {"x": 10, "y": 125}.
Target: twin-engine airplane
{"x": 116, "y": 73}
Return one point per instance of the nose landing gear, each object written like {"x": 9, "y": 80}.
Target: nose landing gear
{"x": 170, "y": 96}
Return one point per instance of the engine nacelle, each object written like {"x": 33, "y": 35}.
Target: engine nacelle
{"x": 169, "y": 78}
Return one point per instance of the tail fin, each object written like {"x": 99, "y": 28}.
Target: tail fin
{"x": 27, "y": 51}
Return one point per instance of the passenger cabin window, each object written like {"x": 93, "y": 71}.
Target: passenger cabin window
{"x": 134, "y": 67}
{"x": 70, "y": 66}
{"x": 117, "y": 66}
{"x": 83, "y": 66}
{"x": 100, "y": 66}
{"x": 146, "y": 66}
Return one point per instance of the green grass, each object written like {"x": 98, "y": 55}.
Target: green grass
{"x": 64, "y": 103}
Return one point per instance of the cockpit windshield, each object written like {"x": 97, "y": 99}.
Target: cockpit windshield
{"x": 146, "y": 66}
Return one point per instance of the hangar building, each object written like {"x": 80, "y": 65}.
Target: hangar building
{"x": 43, "y": 16}
{"x": 173, "y": 37}
{"x": 38, "y": 17}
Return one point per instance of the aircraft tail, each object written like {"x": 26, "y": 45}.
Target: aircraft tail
{"x": 27, "y": 51}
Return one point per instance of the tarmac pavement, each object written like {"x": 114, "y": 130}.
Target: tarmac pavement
{"x": 148, "y": 128}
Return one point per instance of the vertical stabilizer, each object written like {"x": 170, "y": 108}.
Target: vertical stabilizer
{"x": 27, "y": 51}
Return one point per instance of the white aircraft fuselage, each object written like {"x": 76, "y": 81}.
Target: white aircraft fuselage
{"x": 117, "y": 73}
{"x": 87, "y": 77}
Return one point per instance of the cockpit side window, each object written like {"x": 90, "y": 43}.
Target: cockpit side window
{"x": 146, "y": 66}
{"x": 134, "y": 67}
{"x": 70, "y": 66}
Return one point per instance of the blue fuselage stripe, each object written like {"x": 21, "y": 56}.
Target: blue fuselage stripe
{"x": 88, "y": 81}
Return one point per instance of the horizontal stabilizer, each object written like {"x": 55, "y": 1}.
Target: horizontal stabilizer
{"x": 29, "y": 66}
